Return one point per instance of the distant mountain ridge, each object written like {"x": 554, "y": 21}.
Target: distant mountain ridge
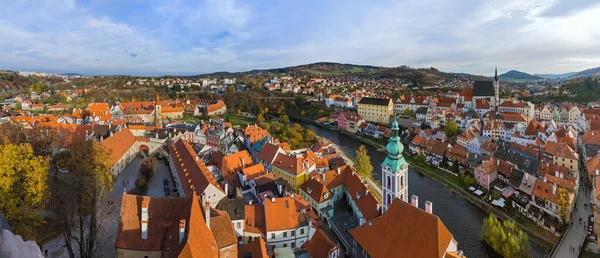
{"x": 514, "y": 75}
{"x": 555, "y": 76}
{"x": 588, "y": 72}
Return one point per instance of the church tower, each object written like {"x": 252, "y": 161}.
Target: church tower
{"x": 496, "y": 89}
{"x": 394, "y": 174}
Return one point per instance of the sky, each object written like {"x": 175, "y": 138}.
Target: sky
{"x": 185, "y": 37}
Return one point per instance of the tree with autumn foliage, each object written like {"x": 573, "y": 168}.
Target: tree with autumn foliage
{"x": 23, "y": 187}
{"x": 363, "y": 162}
{"x": 563, "y": 202}
{"x": 78, "y": 197}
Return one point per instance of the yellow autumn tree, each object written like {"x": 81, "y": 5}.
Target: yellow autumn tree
{"x": 23, "y": 187}
{"x": 563, "y": 202}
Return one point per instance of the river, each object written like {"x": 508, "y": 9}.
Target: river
{"x": 462, "y": 218}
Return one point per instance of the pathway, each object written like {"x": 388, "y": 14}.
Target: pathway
{"x": 576, "y": 233}
{"x": 106, "y": 247}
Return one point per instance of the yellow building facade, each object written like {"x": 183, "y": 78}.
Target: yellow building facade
{"x": 376, "y": 110}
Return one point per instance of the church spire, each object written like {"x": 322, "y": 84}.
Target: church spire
{"x": 496, "y": 74}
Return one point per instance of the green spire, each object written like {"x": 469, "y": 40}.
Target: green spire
{"x": 394, "y": 148}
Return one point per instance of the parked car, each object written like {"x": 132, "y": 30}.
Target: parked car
{"x": 63, "y": 171}
{"x": 166, "y": 185}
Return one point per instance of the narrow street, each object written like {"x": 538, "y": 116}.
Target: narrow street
{"x": 575, "y": 235}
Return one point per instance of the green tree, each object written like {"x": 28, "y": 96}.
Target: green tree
{"x": 505, "y": 237}
{"x": 18, "y": 106}
{"x": 363, "y": 162}
{"x": 451, "y": 129}
{"x": 407, "y": 112}
{"x": 284, "y": 119}
{"x": 23, "y": 187}
{"x": 420, "y": 159}
{"x": 302, "y": 113}
{"x": 260, "y": 119}
{"x": 563, "y": 202}
{"x": 455, "y": 166}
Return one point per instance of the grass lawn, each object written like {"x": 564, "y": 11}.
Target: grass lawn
{"x": 454, "y": 179}
{"x": 241, "y": 120}
{"x": 528, "y": 223}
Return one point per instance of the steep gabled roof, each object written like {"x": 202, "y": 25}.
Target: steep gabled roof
{"x": 119, "y": 144}
{"x": 483, "y": 89}
{"x": 190, "y": 168}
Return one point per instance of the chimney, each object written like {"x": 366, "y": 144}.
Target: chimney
{"x": 378, "y": 207}
{"x": 197, "y": 158}
{"x": 250, "y": 202}
{"x": 181, "y": 230}
{"x": 243, "y": 163}
{"x": 273, "y": 199}
{"x": 554, "y": 189}
{"x": 292, "y": 195}
{"x": 414, "y": 201}
{"x": 338, "y": 170}
{"x": 280, "y": 188}
{"x": 556, "y": 173}
{"x": 366, "y": 192}
{"x": 526, "y": 176}
{"x": 226, "y": 188}
{"x": 207, "y": 213}
{"x": 598, "y": 172}
{"x": 144, "y": 219}
{"x": 429, "y": 207}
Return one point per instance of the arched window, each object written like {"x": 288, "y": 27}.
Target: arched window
{"x": 389, "y": 180}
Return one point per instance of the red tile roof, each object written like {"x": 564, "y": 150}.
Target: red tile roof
{"x": 192, "y": 172}
{"x": 281, "y": 214}
{"x": 320, "y": 245}
{"x": 256, "y": 249}
{"x": 422, "y": 234}
{"x": 119, "y": 144}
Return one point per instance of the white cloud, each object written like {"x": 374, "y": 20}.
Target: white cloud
{"x": 213, "y": 35}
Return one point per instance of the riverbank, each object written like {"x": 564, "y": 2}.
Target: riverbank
{"x": 537, "y": 233}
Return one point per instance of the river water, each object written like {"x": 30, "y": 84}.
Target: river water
{"x": 463, "y": 219}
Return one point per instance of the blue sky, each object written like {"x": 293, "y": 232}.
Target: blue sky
{"x": 156, "y": 37}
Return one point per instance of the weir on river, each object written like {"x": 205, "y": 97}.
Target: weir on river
{"x": 462, "y": 218}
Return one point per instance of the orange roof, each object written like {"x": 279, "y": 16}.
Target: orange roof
{"x": 592, "y": 165}
{"x": 589, "y": 137}
{"x": 163, "y": 229}
{"x": 234, "y": 162}
{"x": 281, "y": 214}
{"x": 255, "y": 249}
{"x": 255, "y": 219}
{"x": 422, "y": 234}
{"x": 222, "y": 229}
{"x": 255, "y": 133}
{"x": 560, "y": 149}
{"x": 320, "y": 245}
{"x": 192, "y": 172}
{"x": 201, "y": 242}
{"x": 544, "y": 191}
{"x": 119, "y": 144}
{"x": 254, "y": 171}
{"x": 137, "y": 127}
{"x": 129, "y": 234}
